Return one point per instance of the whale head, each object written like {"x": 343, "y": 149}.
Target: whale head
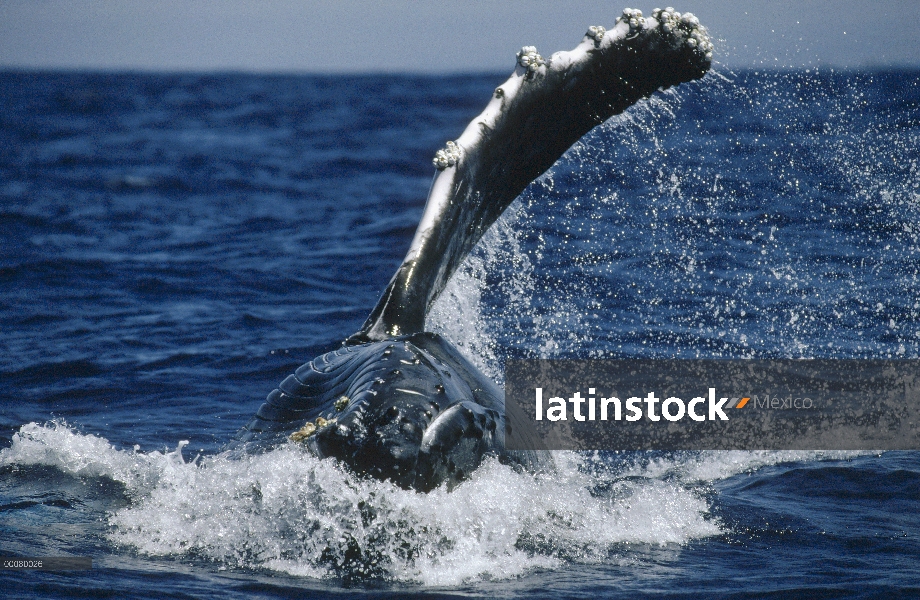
{"x": 410, "y": 410}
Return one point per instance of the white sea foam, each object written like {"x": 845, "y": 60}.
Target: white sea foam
{"x": 287, "y": 511}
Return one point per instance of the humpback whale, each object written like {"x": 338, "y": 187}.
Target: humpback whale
{"x": 398, "y": 403}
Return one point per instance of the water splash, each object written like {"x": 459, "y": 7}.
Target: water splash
{"x": 657, "y": 236}
{"x": 289, "y": 512}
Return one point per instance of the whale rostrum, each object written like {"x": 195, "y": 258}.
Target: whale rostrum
{"x": 401, "y": 404}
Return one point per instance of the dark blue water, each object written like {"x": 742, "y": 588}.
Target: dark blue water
{"x": 172, "y": 246}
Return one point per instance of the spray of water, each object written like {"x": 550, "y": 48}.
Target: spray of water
{"x": 287, "y": 511}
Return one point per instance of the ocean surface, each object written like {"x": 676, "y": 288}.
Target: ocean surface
{"x": 172, "y": 246}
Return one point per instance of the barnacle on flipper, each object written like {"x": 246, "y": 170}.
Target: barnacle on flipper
{"x": 596, "y": 33}
{"x": 634, "y": 19}
{"x": 530, "y": 59}
{"x": 684, "y": 30}
{"x": 447, "y": 157}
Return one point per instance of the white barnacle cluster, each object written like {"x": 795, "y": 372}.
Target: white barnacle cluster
{"x": 447, "y": 156}
{"x": 596, "y": 32}
{"x": 530, "y": 59}
{"x": 632, "y": 17}
{"x": 686, "y": 29}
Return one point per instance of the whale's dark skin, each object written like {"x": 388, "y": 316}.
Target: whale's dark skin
{"x": 411, "y": 409}
{"x": 401, "y": 404}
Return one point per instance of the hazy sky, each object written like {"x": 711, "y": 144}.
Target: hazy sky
{"x": 425, "y": 36}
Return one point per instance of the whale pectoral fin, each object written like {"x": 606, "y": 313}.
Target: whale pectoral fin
{"x": 456, "y": 442}
{"x": 532, "y": 119}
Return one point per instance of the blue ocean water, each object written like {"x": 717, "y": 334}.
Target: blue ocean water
{"x": 172, "y": 246}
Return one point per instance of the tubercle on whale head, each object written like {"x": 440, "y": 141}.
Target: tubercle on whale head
{"x": 415, "y": 414}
